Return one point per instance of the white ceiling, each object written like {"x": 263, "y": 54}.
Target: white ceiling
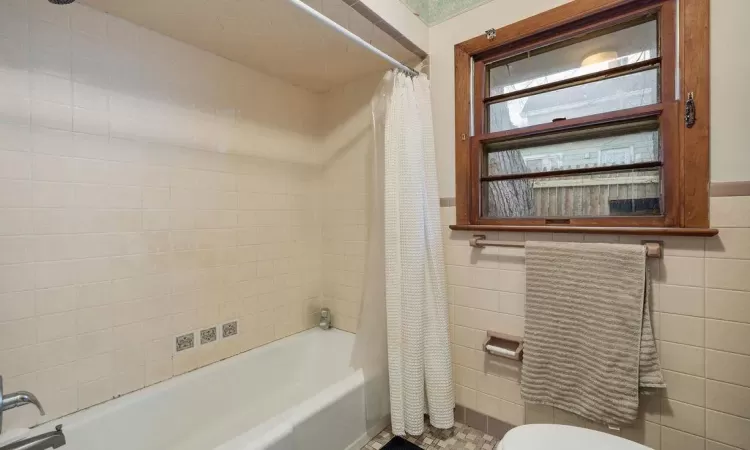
{"x": 271, "y": 36}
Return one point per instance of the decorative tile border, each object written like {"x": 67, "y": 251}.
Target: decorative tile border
{"x": 184, "y": 342}
{"x": 446, "y": 202}
{"x": 731, "y": 189}
{"x": 208, "y": 335}
{"x": 482, "y": 422}
{"x": 203, "y": 336}
{"x": 229, "y": 329}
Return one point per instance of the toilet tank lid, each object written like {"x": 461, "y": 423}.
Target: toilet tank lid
{"x": 563, "y": 437}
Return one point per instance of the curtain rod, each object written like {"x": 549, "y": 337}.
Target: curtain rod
{"x": 323, "y": 18}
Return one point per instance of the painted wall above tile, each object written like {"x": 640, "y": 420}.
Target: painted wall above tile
{"x": 435, "y": 11}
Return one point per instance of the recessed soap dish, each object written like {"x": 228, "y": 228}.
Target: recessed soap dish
{"x": 504, "y": 345}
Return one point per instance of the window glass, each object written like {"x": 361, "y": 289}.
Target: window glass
{"x": 613, "y": 94}
{"x": 629, "y": 148}
{"x": 621, "y": 193}
{"x": 586, "y": 56}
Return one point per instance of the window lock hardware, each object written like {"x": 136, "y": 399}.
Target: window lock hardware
{"x": 690, "y": 111}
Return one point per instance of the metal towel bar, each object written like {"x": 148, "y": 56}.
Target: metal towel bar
{"x": 653, "y": 248}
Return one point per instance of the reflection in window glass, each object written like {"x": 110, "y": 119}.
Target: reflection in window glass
{"x": 548, "y": 65}
{"x": 613, "y": 94}
{"x": 543, "y": 163}
{"x": 642, "y": 146}
{"x": 615, "y": 156}
{"x": 624, "y": 193}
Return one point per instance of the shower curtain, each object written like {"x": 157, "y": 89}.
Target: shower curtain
{"x": 404, "y": 315}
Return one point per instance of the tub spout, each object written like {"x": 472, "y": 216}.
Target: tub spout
{"x": 325, "y": 319}
{"x": 20, "y": 398}
{"x": 16, "y": 399}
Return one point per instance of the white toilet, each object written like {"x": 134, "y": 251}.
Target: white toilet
{"x": 562, "y": 437}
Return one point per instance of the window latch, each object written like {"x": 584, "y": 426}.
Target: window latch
{"x": 690, "y": 111}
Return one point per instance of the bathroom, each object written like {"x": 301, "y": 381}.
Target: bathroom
{"x": 186, "y": 186}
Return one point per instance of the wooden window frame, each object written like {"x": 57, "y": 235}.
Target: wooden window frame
{"x": 685, "y": 150}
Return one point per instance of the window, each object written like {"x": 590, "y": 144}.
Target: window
{"x": 573, "y": 118}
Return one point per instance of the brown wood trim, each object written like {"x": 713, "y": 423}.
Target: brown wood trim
{"x": 462, "y": 62}
{"x": 566, "y": 36}
{"x": 671, "y": 156}
{"x": 667, "y": 49}
{"x": 642, "y": 231}
{"x": 558, "y": 173}
{"x": 576, "y": 81}
{"x": 730, "y": 189}
{"x": 581, "y": 16}
{"x": 570, "y": 124}
{"x": 695, "y": 73}
{"x": 480, "y": 87}
{"x": 475, "y": 195}
{"x": 546, "y": 20}
{"x": 595, "y": 25}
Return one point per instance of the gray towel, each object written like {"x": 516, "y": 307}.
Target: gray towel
{"x": 588, "y": 341}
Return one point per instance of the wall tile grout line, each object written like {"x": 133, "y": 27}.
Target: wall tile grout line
{"x": 707, "y": 308}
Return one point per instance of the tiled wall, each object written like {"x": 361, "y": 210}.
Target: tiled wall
{"x": 126, "y": 215}
{"x": 345, "y": 184}
{"x": 701, "y": 299}
{"x": 345, "y": 235}
{"x": 702, "y": 292}
{"x": 126, "y": 219}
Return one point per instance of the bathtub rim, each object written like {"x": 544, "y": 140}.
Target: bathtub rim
{"x": 81, "y": 417}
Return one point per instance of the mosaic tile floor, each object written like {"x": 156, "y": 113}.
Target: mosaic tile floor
{"x": 460, "y": 437}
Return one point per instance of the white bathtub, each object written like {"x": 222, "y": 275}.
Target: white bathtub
{"x": 296, "y": 393}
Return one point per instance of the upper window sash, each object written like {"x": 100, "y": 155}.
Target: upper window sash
{"x": 659, "y": 58}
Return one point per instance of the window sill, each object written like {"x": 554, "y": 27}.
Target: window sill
{"x": 650, "y": 231}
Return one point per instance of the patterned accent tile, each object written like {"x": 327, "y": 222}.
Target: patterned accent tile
{"x": 446, "y": 202}
{"x": 460, "y": 437}
{"x": 185, "y": 342}
{"x": 229, "y": 329}
{"x": 208, "y": 335}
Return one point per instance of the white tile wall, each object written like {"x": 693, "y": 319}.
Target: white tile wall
{"x": 118, "y": 230}
{"x": 701, "y": 322}
{"x": 345, "y": 186}
{"x": 702, "y": 306}
{"x": 128, "y": 214}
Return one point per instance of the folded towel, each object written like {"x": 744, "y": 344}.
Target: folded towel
{"x": 588, "y": 341}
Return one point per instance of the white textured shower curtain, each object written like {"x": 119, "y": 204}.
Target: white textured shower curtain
{"x": 405, "y": 264}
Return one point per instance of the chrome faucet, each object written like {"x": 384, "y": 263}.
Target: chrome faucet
{"x": 325, "y": 319}
{"x": 16, "y": 399}
{"x": 52, "y": 439}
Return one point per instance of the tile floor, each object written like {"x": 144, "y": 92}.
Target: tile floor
{"x": 460, "y": 437}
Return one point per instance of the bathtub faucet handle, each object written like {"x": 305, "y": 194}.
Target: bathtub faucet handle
{"x": 325, "y": 319}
